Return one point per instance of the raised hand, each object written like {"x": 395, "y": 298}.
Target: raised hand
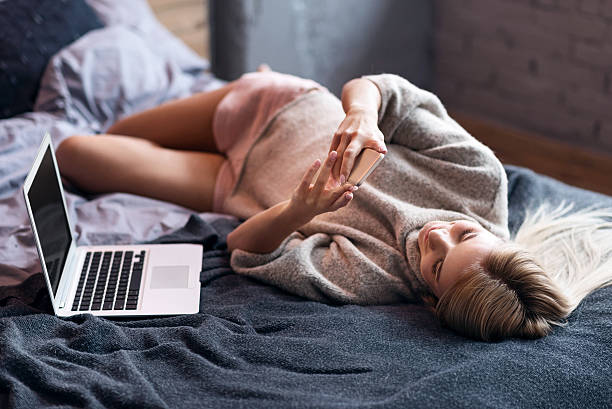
{"x": 322, "y": 195}
{"x": 358, "y": 130}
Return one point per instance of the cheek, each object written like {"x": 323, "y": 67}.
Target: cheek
{"x": 425, "y": 272}
{"x": 424, "y": 266}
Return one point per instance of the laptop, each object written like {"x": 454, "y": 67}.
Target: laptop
{"x": 114, "y": 280}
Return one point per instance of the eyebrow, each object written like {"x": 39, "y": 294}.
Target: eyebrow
{"x": 468, "y": 236}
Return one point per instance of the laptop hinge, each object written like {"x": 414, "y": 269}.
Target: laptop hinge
{"x": 70, "y": 269}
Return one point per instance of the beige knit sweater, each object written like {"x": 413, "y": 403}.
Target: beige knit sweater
{"x": 367, "y": 252}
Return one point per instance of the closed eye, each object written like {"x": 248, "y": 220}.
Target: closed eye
{"x": 438, "y": 266}
{"x": 465, "y": 233}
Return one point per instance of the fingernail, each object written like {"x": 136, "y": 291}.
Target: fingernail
{"x": 342, "y": 179}
{"x": 354, "y": 188}
{"x": 333, "y": 154}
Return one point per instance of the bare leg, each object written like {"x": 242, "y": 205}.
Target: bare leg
{"x": 169, "y": 154}
{"x": 181, "y": 124}
{"x": 110, "y": 163}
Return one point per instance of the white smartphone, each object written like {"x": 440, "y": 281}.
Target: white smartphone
{"x": 365, "y": 163}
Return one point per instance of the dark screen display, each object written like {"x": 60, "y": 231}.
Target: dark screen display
{"x": 50, "y": 218}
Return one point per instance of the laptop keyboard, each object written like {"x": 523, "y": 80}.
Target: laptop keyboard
{"x": 110, "y": 280}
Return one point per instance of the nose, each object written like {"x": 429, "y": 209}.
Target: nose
{"x": 439, "y": 239}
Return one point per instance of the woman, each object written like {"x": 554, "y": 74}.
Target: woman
{"x": 429, "y": 225}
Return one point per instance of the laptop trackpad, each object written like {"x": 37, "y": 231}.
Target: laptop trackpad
{"x": 170, "y": 277}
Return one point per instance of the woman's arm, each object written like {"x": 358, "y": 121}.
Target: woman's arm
{"x": 265, "y": 231}
{"x": 361, "y": 100}
{"x": 361, "y": 94}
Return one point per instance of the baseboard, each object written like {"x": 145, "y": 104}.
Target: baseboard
{"x": 563, "y": 161}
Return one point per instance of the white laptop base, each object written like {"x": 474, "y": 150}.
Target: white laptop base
{"x": 114, "y": 280}
{"x": 166, "y": 287}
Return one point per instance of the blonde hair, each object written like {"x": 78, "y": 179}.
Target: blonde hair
{"x": 534, "y": 282}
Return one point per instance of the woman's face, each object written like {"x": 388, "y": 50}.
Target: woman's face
{"x": 448, "y": 248}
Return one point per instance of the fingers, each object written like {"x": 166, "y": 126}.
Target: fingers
{"x": 337, "y": 194}
{"x": 344, "y": 142}
{"x": 323, "y": 196}
{"x": 335, "y": 142}
{"x": 348, "y": 160}
{"x": 307, "y": 178}
{"x": 334, "y": 147}
{"x": 325, "y": 172}
{"x": 377, "y": 146}
{"x": 342, "y": 201}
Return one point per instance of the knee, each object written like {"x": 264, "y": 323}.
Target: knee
{"x": 68, "y": 151}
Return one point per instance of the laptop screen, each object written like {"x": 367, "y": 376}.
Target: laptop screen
{"x": 50, "y": 218}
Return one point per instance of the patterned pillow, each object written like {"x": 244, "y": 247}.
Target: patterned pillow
{"x": 31, "y": 31}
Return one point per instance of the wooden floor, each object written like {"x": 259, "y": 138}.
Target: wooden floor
{"x": 187, "y": 19}
{"x": 568, "y": 163}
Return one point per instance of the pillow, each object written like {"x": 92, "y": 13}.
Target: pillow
{"x": 32, "y": 31}
{"x": 137, "y": 16}
{"x": 107, "y": 74}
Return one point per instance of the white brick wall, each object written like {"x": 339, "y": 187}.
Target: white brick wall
{"x": 540, "y": 65}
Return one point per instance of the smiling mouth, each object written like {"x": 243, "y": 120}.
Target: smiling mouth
{"x": 426, "y": 241}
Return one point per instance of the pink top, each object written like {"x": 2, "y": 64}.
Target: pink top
{"x": 243, "y": 114}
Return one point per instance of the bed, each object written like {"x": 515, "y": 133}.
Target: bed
{"x": 251, "y": 345}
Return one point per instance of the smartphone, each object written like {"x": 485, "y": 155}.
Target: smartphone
{"x": 365, "y": 163}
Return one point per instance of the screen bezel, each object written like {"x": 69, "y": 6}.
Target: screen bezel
{"x": 46, "y": 144}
